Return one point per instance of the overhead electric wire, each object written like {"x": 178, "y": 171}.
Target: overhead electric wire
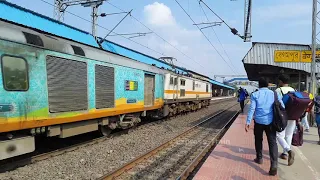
{"x": 128, "y": 38}
{"x": 107, "y": 29}
{"x": 158, "y": 35}
{"x": 205, "y": 36}
{"x": 217, "y": 37}
{"x": 215, "y": 14}
{"x": 233, "y": 30}
{"x": 115, "y": 26}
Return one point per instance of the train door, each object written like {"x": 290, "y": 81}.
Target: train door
{"x": 148, "y": 89}
{"x": 174, "y": 87}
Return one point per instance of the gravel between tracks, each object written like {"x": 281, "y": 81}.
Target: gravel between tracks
{"x": 94, "y": 161}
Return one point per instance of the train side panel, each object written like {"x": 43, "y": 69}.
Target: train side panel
{"x": 23, "y": 89}
{"x": 179, "y": 87}
{"x": 31, "y": 108}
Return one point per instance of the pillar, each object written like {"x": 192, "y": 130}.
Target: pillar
{"x": 299, "y": 81}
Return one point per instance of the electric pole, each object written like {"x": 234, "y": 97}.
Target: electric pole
{"x": 58, "y": 10}
{"x": 94, "y": 4}
{"x": 61, "y": 6}
{"x": 247, "y": 20}
{"x": 314, "y": 46}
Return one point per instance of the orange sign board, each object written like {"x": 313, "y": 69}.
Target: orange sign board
{"x": 287, "y": 56}
{"x": 294, "y": 56}
{"x": 306, "y": 56}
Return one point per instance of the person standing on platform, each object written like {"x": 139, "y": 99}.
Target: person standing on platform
{"x": 261, "y": 108}
{"x": 317, "y": 112}
{"x": 239, "y": 90}
{"x": 285, "y": 137}
{"x": 242, "y": 98}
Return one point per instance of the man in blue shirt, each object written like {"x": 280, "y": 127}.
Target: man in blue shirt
{"x": 242, "y": 98}
{"x": 261, "y": 108}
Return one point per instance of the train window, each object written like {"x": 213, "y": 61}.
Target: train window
{"x": 15, "y": 73}
{"x": 78, "y": 50}
{"x": 182, "y": 82}
{"x": 207, "y": 88}
{"x": 175, "y": 81}
{"x": 171, "y": 80}
{"x": 193, "y": 86}
{"x": 33, "y": 39}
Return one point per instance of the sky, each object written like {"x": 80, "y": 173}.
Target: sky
{"x": 281, "y": 21}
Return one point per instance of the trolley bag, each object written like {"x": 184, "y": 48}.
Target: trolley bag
{"x": 297, "y": 138}
{"x": 296, "y": 103}
{"x": 280, "y": 119}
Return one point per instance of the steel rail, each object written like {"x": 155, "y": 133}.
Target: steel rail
{"x": 136, "y": 161}
{"x": 185, "y": 174}
{"x": 197, "y": 160}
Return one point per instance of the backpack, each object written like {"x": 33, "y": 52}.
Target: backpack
{"x": 296, "y": 103}
{"x": 280, "y": 117}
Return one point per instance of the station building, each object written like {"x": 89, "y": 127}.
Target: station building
{"x": 272, "y": 59}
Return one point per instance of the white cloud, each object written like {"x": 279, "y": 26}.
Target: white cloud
{"x": 159, "y": 14}
{"x": 190, "y": 41}
{"x": 160, "y": 17}
{"x": 283, "y": 11}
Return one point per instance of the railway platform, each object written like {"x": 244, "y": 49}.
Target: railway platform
{"x": 233, "y": 157}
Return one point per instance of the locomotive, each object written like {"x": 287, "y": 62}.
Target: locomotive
{"x": 53, "y": 86}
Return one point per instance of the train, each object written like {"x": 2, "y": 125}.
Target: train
{"x": 54, "y": 87}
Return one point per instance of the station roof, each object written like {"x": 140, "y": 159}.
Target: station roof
{"x": 260, "y": 59}
{"x": 238, "y": 79}
{"x": 198, "y": 74}
{"x": 221, "y": 84}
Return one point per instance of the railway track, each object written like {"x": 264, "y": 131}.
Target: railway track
{"x": 11, "y": 164}
{"x": 178, "y": 157}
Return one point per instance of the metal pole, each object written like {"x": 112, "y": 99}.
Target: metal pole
{"x": 314, "y": 46}
{"x": 94, "y": 19}
{"x": 299, "y": 81}
{"x": 58, "y": 12}
{"x": 245, "y": 18}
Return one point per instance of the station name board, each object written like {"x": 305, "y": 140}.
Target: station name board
{"x": 294, "y": 56}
